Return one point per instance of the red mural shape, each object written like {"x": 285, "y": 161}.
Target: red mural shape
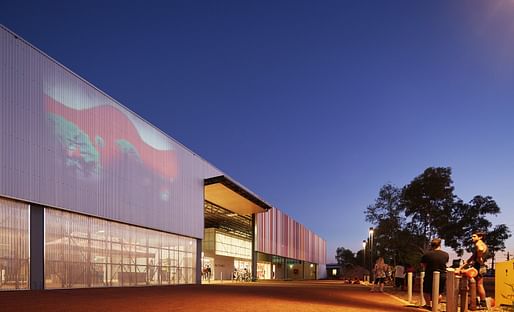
{"x": 112, "y": 126}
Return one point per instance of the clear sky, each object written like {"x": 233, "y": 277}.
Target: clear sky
{"x": 312, "y": 105}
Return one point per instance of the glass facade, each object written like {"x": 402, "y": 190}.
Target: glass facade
{"x": 226, "y": 245}
{"x": 280, "y": 268}
{"x": 14, "y": 245}
{"x": 231, "y": 246}
{"x": 83, "y": 251}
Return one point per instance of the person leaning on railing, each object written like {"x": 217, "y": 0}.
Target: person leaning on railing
{"x": 477, "y": 261}
{"x": 434, "y": 260}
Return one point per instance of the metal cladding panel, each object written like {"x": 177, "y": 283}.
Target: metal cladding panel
{"x": 278, "y": 234}
{"x": 66, "y": 144}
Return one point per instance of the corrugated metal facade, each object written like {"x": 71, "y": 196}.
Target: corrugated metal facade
{"x": 279, "y": 234}
{"x": 65, "y": 144}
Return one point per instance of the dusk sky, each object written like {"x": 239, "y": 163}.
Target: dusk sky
{"x": 312, "y": 105}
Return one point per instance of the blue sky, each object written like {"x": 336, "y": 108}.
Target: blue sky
{"x": 313, "y": 105}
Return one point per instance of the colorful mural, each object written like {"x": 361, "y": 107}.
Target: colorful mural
{"x": 100, "y": 141}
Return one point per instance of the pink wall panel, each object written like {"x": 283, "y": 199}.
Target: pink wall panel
{"x": 279, "y": 234}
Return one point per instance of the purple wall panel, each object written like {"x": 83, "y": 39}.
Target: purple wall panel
{"x": 66, "y": 144}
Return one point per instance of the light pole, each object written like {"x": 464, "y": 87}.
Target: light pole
{"x": 364, "y": 251}
{"x": 365, "y": 278}
{"x": 370, "y": 249}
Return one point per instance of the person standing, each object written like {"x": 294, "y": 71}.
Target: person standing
{"x": 399, "y": 276}
{"x": 432, "y": 261}
{"x": 209, "y": 273}
{"x": 379, "y": 271}
{"x": 477, "y": 260}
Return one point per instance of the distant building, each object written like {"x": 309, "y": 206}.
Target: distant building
{"x": 334, "y": 270}
{"x": 92, "y": 195}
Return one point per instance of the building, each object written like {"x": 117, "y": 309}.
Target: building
{"x": 92, "y": 195}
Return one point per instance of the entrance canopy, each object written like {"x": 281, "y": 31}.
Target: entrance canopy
{"x": 228, "y": 194}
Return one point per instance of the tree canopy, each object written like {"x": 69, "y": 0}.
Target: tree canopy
{"x": 345, "y": 256}
{"x": 407, "y": 218}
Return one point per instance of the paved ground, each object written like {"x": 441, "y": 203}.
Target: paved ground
{"x": 310, "y": 296}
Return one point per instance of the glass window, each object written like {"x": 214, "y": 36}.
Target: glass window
{"x": 14, "y": 245}
{"x": 230, "y": 246}
{"x": 82, "y": 251}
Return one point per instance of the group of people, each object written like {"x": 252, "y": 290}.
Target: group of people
{"x": 207, "y": 273}
{"x": 241, "y": 275}
{"x": 436, "y": 260}
{"x": 382, "y": 272}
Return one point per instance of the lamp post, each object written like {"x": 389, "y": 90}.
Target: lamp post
{"x": 365, "y": 277}
{"x": 364, "y": 251}
{"x": 370, "y": 249}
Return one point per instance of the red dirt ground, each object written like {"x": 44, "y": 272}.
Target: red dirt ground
{"x": 312, "y": 296}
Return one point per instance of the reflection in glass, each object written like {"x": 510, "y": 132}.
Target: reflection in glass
{"x": 14, "y": 245}
{"x": 82, "y": 251}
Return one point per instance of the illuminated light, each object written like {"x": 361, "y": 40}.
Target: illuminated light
{"x": 290, "y": 266}
{"x": 312, "y": 265}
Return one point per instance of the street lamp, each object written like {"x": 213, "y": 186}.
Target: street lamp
{"x": 364, "y": 251}
{"x": 371, "y": 231}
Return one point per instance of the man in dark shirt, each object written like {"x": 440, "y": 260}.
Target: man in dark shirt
{"x": 434, "y": 260}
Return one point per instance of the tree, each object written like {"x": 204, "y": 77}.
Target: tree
{"x": 345, "y": 256}
{"x": 428, "y": 202}
{"x": 470, "y": 217}
{"x": 407, "y": 219}
{"x": 495, "y": 240}
{"x": 360, "y": 258}
{"x": 392, "y": 239}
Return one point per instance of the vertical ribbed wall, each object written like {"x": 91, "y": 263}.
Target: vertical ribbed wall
{"x": 65, "y": 144}
{"x": 279, "y": 234}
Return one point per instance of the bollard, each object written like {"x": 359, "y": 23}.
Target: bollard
{"x": 451, "y": 295}
{"x": 421, "y": 279}
{"x": 463, "y": 292}
{"x": 409, "y": 287}
{"x": 472, "y": 294}
{"x": 435, "y": 290}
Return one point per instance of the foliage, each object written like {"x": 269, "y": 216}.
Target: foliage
{"x": 360, "y": 258}
{"x": 345, "y": 256}
{"x": 407, "y": 219}
{"x": 467, "y": 218}
{"x": 392, "y": 239}
{"x": 427, "y": 201}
